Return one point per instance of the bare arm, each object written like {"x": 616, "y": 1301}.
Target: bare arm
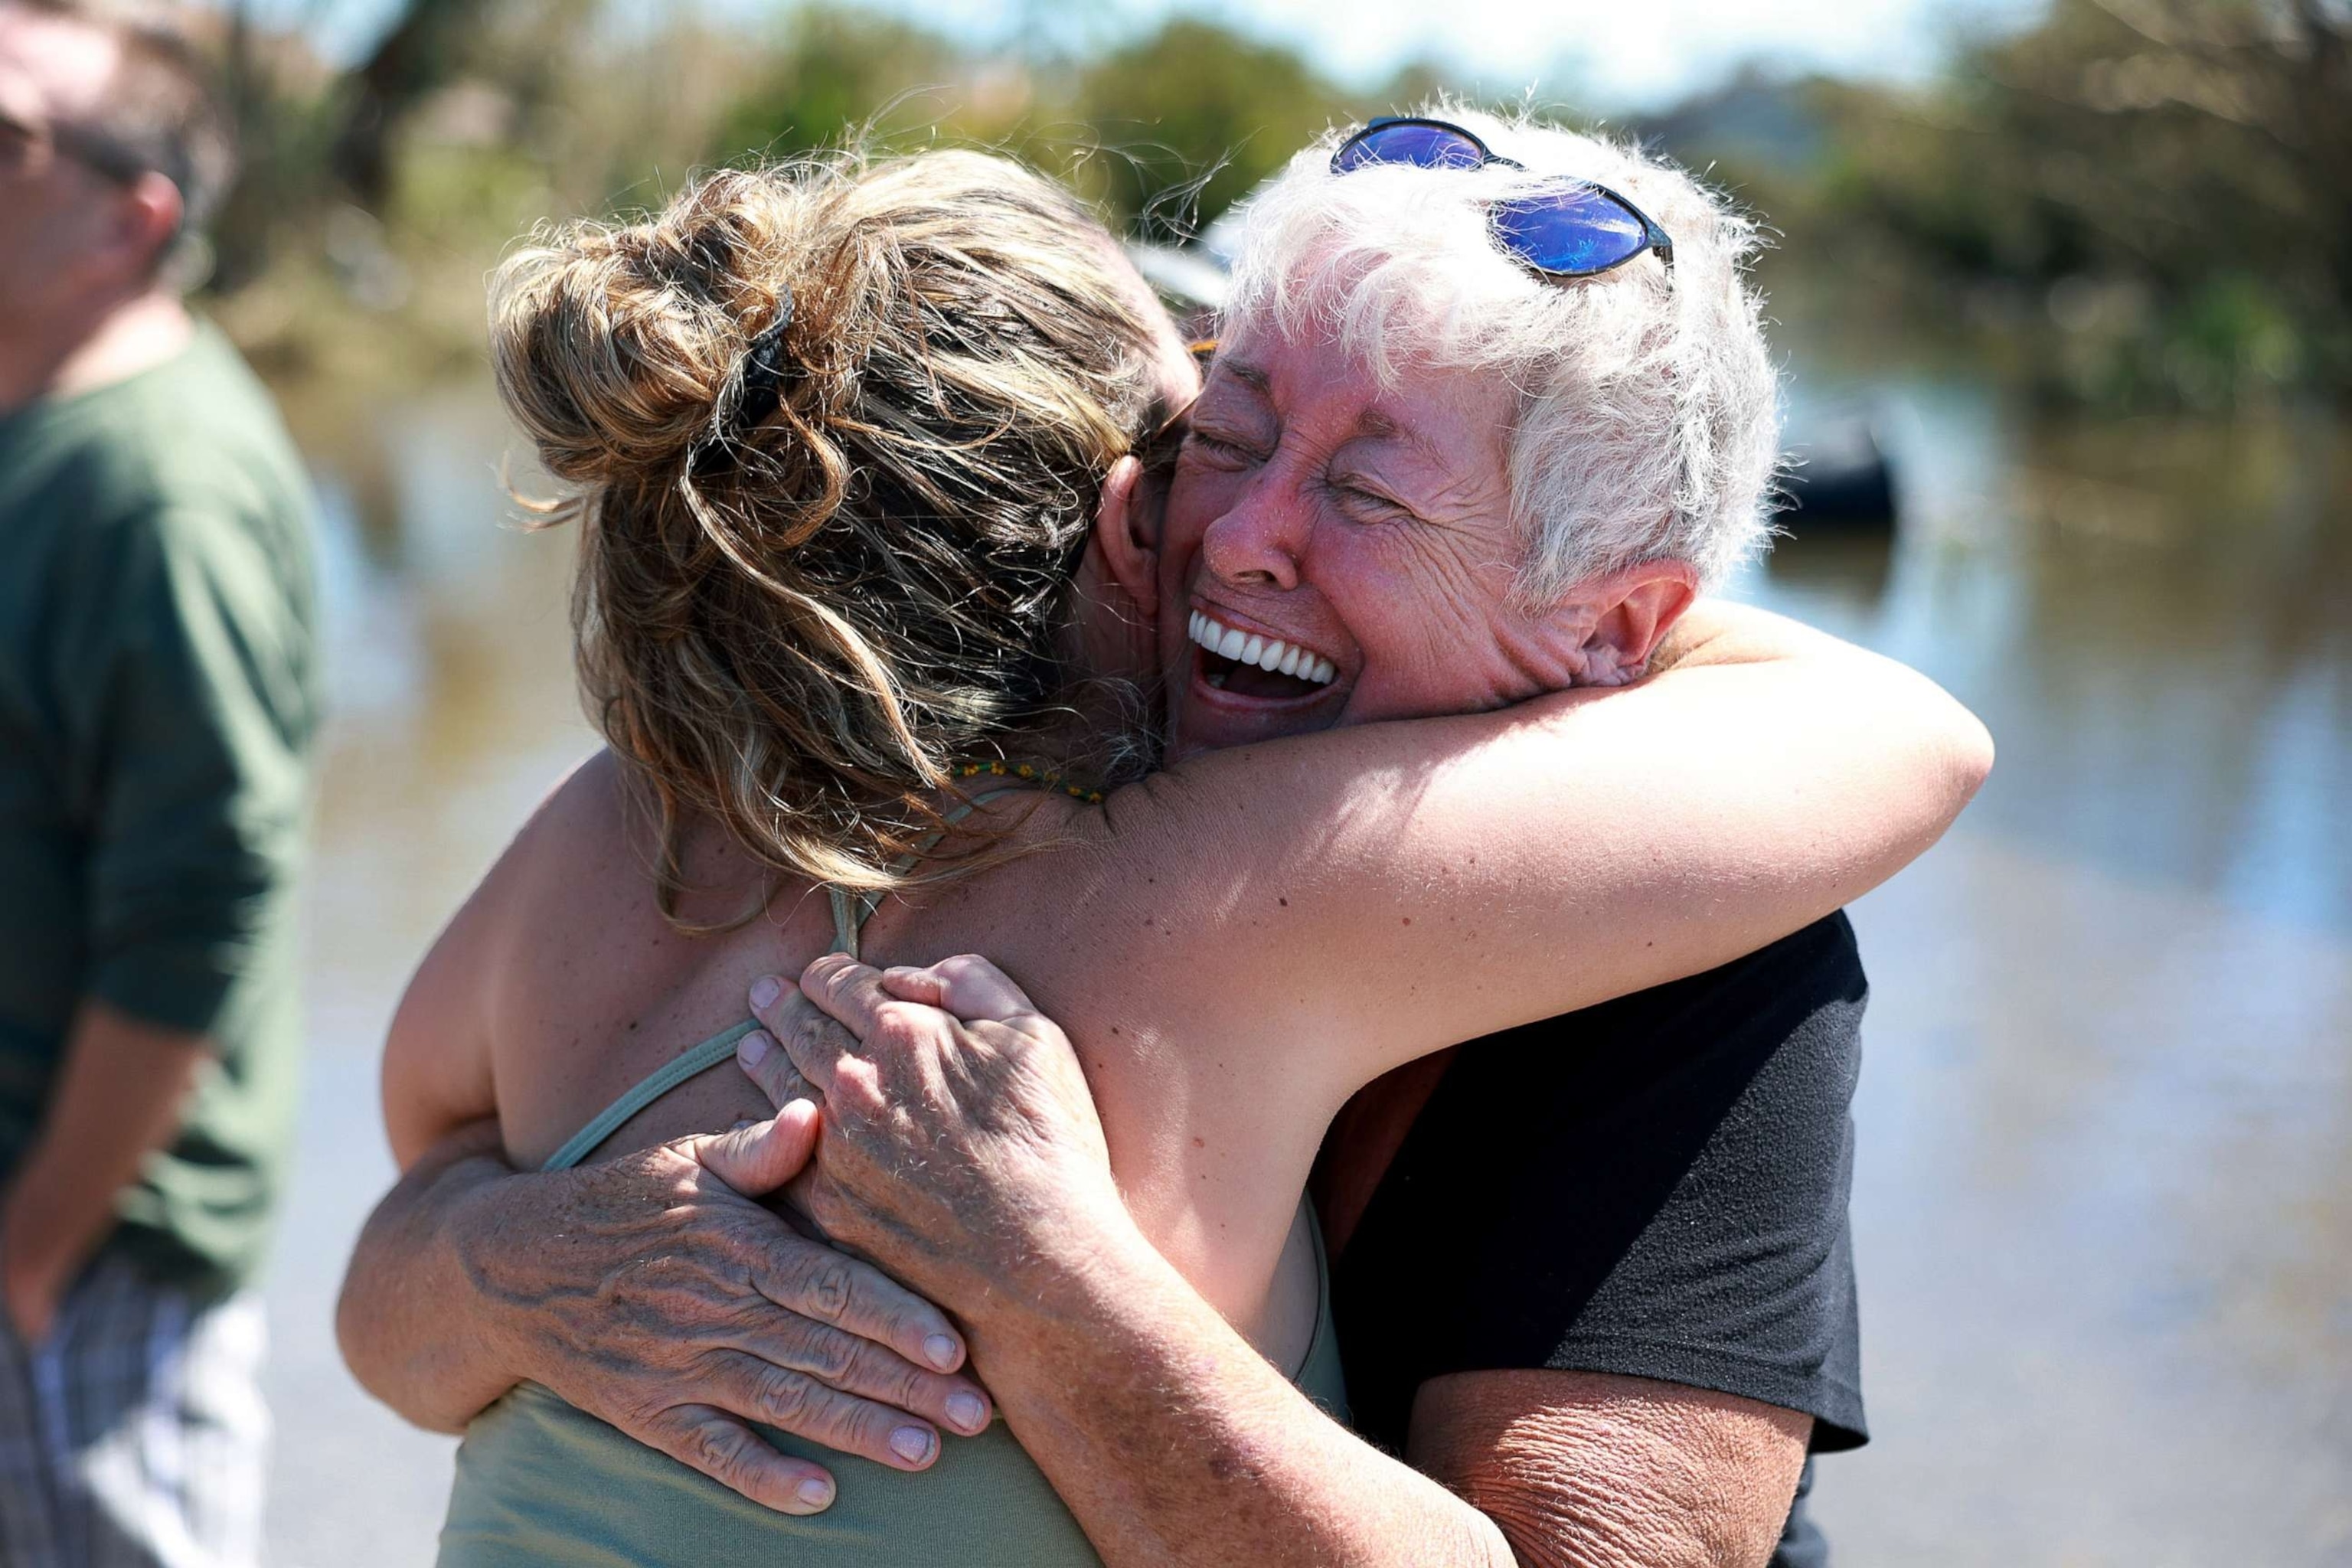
{"x": 1172, "y": 1442}
{"x": 1167, "y": 1435}
{"x": 1579, "y": 1468}
{"x": 436, "y": 1073}
{"x": 649, "y": 1291}
{"x": 117, "y": 1100}
{"x": 1175, "y": 1442}
{"x": 408, "y": 1322}
{"x": 652, "y": 1293}
{"x": 1541, "y": 859}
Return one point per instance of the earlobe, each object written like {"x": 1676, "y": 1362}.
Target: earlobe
{"x": 1127, "y": 531}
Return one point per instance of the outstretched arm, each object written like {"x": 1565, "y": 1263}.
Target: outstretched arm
{"x": 1541, "y": 858}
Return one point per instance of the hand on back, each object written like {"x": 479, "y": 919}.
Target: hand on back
{"x": 961, "y": 1148}
{"x": 657, "y": 1294}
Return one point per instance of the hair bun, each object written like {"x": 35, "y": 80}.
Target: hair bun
{"x": 613, "y": 345}
{"x": 795, "y": 640}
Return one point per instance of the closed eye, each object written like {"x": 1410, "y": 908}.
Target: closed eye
{"x": 1220, "y": 451}
{"x": 1371, "y": 506}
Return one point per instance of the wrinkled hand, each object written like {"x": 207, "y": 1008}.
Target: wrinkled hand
{"x": 960, "y": 1149}
{"x": 652, "y": 1292}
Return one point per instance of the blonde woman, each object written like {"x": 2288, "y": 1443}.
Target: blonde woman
{"x": 867, "y": 594}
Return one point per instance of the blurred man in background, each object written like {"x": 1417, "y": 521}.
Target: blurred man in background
{"x": 156, "y": 709}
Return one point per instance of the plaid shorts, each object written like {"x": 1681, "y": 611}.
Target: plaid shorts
{"x": 135, "y": 1435}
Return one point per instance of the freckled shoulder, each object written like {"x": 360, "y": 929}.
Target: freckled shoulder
{"x": 441, "y": 1059}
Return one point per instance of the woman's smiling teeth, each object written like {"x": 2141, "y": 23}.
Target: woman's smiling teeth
{"x": 1247, "y": 648}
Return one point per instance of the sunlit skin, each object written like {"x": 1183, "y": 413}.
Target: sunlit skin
{"x": 1319, "y": 908}
{"x": 1371, "y": 524}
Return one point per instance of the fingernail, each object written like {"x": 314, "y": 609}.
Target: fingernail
{"x": 753, "y": 1048}
{"x": 966, "y": 1411}
{"x": 816, "y": 1491}
{"x": 941, "y": 1350}
{"x": 764, "y": 990}
{"x": 911, "y": 1443}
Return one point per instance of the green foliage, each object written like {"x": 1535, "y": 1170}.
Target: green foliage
{"x": 830, "y": 71}
{"x": 2192, "y": 158}
{"x": 1190, "y": 118}
{"x": 2134, "y": 202}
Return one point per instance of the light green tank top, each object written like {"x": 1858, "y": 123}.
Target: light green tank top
{"x": 541, "y": 1482}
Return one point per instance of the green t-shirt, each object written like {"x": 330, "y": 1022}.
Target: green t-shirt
{"x": 157, "y": 701}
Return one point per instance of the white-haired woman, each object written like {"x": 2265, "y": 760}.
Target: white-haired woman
{"x": 811, "y": 631}
{"x": 1460, "y": 390}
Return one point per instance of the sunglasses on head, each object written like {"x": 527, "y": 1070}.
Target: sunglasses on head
{"x": 1579, "y": 232}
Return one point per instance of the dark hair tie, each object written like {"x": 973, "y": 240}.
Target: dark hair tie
{"x": 766, "y": 366}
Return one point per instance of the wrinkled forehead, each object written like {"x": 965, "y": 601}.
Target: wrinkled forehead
{"x": 1307, "y": 371}
{"x": 53, "y": 68}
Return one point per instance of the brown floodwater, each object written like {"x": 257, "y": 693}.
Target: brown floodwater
{"x": 2104, "y": 1199}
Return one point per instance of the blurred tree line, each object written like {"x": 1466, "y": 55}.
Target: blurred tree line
{"x": 2134, "y": 203}
{"x": 2148, "y": 201}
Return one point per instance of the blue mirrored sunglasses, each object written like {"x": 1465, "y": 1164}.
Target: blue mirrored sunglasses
{"x": 1579, "y": 232}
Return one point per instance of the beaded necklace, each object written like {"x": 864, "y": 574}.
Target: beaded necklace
{"x": 1043, "y": 778}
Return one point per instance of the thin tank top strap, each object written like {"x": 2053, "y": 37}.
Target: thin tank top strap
{"x": 852, "y": 910}
{"x": 850, "y": 913}
{"x": 664, "y": 1078}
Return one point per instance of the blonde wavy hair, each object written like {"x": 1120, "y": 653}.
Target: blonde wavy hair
{"x": 802, "y": 603}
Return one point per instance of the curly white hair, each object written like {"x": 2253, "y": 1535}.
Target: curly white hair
{"x": 1649, "y": 422}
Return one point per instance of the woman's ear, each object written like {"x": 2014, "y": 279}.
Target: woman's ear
{"x": 1127, "y": 531}
{"x": 1633, "y": 612}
